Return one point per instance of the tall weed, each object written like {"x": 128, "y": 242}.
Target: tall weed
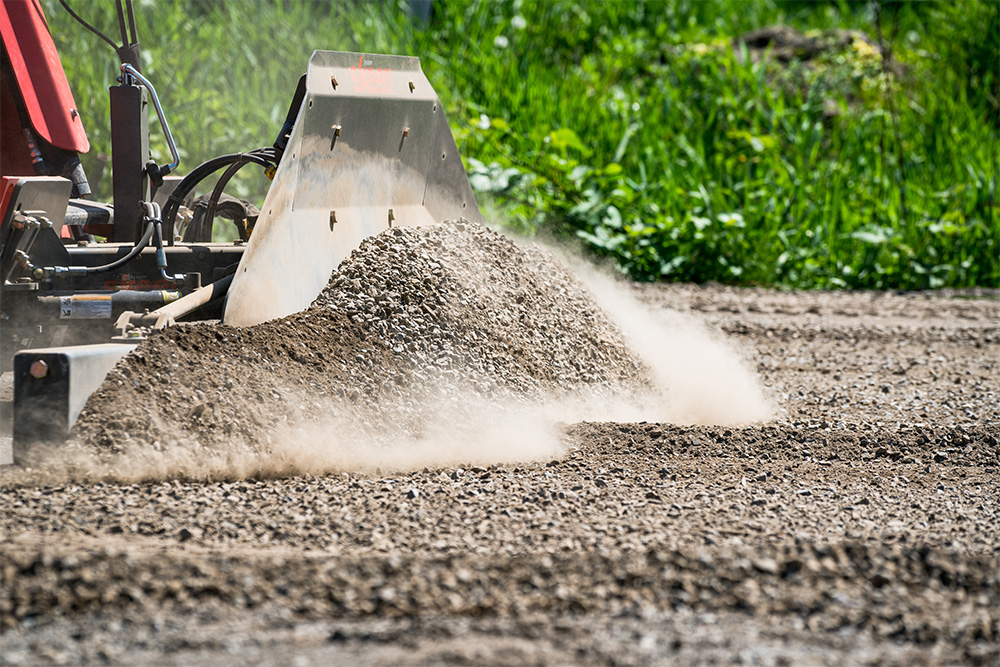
{"x": 642, "y": 129}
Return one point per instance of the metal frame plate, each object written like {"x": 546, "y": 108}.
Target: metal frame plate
{"x": 371, "y": 148}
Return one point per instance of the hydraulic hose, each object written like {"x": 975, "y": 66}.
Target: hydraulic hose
{"x": 111, "y": 266}
{"x": 161, "y": 256}
{"x": 213, "y": 201}
{"x": 265, "y": 157}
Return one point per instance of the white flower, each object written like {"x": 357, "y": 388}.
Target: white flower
{"x": 518, "y": 22}
{"x": 500, "y": 42}
{"x": 484, "y": 122}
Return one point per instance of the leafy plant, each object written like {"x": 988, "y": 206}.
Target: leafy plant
{"x": 646, "y": 131}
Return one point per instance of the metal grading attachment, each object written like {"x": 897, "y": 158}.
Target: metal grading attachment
{"x": 365, "y": 147}
{"x": 371, "y": 149}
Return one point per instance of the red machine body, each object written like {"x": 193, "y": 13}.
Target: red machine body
{"x": 40, "y": 79}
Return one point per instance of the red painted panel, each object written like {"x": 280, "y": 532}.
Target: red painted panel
{"x": 40, "y": 76}
{"x": 7, "y": 185}
{"x": 15, "y": 154}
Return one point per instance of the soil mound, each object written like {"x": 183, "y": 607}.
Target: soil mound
{"x": 415, "y": 321}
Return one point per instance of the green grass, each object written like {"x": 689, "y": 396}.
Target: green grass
{"x": 636, "y": 127}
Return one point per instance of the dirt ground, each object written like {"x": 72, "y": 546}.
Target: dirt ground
{"x": 859, "y": 525}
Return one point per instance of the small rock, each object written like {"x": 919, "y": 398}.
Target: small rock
{"x": 766, "y": 565}
{"x": 185, "y": 534}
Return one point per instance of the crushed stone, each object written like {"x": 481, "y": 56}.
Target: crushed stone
{"x": 415, "y": 319}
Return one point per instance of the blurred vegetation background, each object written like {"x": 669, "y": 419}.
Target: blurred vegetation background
{"x": 824, "y": 144}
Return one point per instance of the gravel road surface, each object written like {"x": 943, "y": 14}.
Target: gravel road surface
{"x": 859, "y": 524}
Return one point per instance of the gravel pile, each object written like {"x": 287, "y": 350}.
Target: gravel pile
{"x": 464, "y": 302}
{"x": 417, "y": 323}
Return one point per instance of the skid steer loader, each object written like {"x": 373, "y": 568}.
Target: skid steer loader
{"x": 365, "y": 146}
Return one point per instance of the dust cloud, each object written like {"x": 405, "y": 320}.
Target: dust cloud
{"x": 699, "y": 378}
{"x": 693, "y": 377}
{"x": 428, "y": 434}
{"x": 467, "y": 432}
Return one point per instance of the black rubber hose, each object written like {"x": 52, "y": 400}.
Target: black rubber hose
{"x": 88, "y": 26}
{"x": 262, "y": 156}
{"x": 136, "y": 249}
{"x": 187, "y": 184}
{"x": 213, "y": 201}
